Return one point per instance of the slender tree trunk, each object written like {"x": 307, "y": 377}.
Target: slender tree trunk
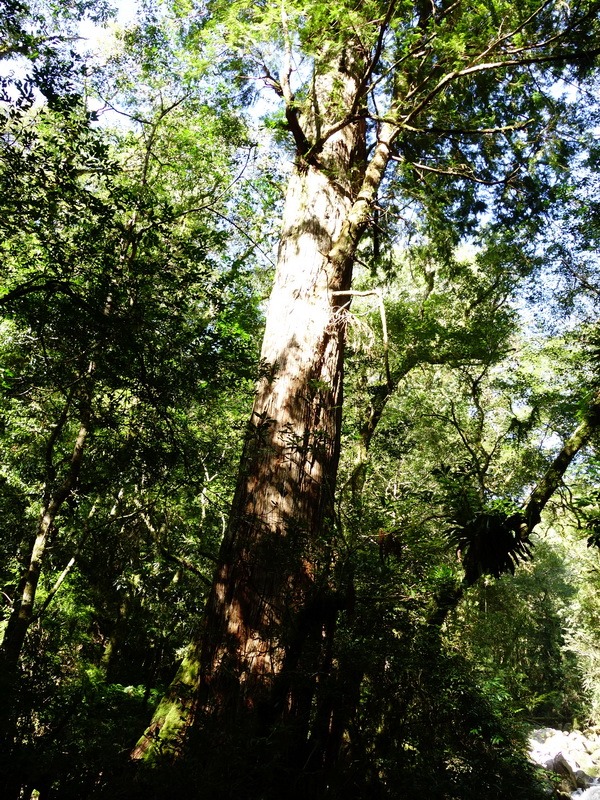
{"x": 22, "y": 614}
{"x": 553, "y": 476}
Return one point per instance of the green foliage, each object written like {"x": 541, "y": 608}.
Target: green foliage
{"x": 581, "y": 639}
{"x": 112, "y": 268}
{"x": 441, "y": 736}
{"x": 514, "y": 630}
{"x": 34, "y": 29}
{"x": 591, "y": 516}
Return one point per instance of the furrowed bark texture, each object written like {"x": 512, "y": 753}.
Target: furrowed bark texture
{"x": 270, "y": 610}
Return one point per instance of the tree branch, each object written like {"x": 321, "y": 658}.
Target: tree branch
{"x": 551, "y": 480}
{"x": 465, "y": 173}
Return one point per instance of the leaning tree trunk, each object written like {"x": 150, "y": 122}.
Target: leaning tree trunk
{"x": 22, "y": 615}
{"x": 271, "y": 605}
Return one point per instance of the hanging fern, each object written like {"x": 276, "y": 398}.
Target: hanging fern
{"x": 491, "y": 544}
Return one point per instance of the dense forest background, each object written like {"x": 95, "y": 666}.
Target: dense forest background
{"x": 422, "y": 588}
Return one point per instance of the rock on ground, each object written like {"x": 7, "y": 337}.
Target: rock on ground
{"x": 574, "y": 755}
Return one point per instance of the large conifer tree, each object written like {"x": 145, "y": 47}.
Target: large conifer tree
{"x": 395, "y": 91}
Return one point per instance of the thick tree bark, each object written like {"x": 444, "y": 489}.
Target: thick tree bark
{"x": 272, "y": 603}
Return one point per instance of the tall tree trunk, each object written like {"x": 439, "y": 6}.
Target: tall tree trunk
{"x": 272, "y": 603}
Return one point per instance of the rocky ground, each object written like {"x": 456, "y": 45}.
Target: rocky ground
{"x": 574, "y": 756}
